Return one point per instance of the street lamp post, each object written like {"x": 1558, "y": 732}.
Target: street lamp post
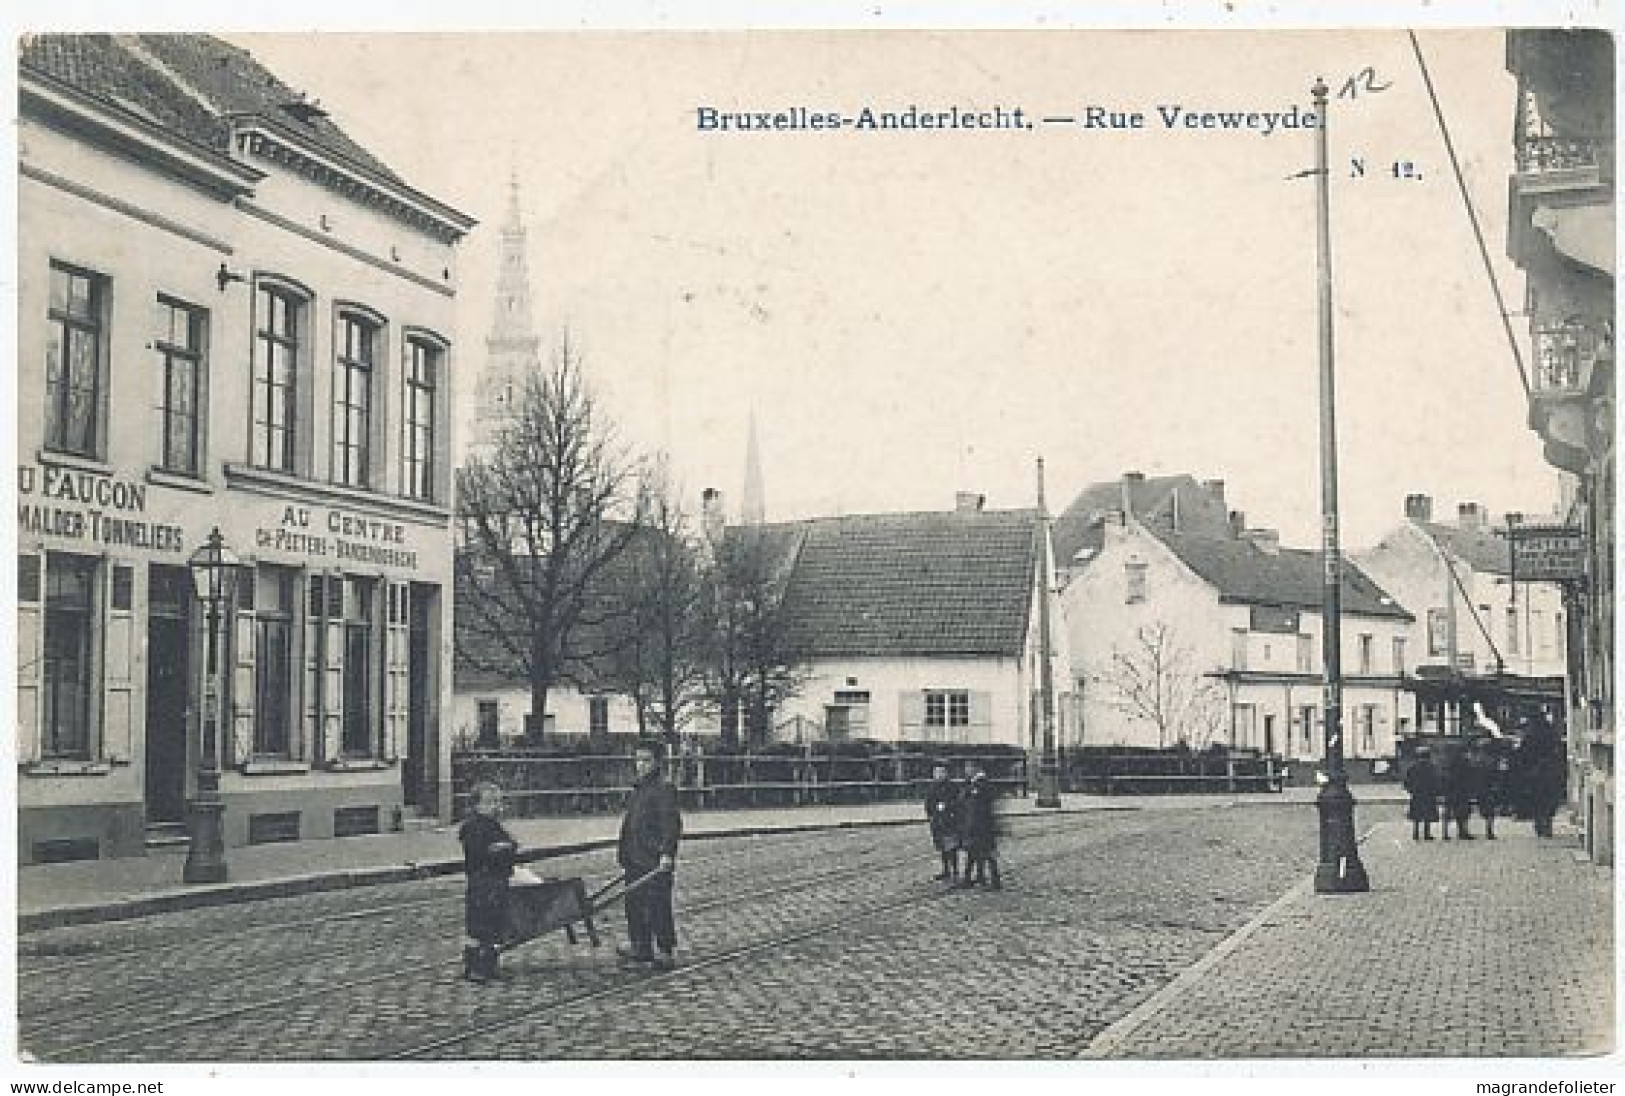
{"x": 1339, "y": 870}
{"x": 214, "y": 574}
{"x": 1049, "y": 782}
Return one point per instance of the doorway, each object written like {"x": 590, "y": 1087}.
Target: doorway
{"x": 1269, "y": 736}
{"x": 168, "y": 693}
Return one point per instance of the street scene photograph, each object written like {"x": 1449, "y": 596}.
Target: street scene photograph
{"x": 804, "y": 546}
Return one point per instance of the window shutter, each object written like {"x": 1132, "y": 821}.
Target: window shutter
{"x": 238, "y": 734}
{"x": 396, "y": 667}
{"x": 311, "y": 658}
{"x": 30, "y": 654}
{"x": 333, "y": 671}
{"x": 981, "y": 716}
{"x": 911, "y": 713}
{"x": 118, "y": 659}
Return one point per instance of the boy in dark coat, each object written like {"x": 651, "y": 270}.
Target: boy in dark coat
{"x": 977, "y": 828}
{"x": 648, "y": 848}
{"x": 942, "y": 810}
{"x": 1422, "y": 782}
{"x": 488, "y": 854}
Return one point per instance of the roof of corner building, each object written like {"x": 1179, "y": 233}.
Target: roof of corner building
{"x": 1480, "y": 549}
{"x": 932, "y": 583}
{"x": 189, "y": 85}
{"x": 1081, "y": 524}
{"x": 1245, "y": 574}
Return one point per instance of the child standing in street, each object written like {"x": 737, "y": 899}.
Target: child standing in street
{"x": 488, "y": 855}
{"x": 942, "y": 810}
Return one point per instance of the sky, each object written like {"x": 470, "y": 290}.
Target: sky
{"x": 911, "y": 314}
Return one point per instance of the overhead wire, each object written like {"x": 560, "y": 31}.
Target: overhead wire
{"x": 1472, "y": 215}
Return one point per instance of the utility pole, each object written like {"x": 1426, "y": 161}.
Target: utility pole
{"x": 1339, "y": 870}
{"x": 1049, "y": 784}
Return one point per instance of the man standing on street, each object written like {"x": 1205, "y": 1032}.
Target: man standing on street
{"x": 648, "y": 854}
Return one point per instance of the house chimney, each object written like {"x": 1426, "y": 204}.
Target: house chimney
{"x": 1419, "y": 507}
{"x": 968, "y": 502}
{"x": 712, "y": 519}
{"x": 1215, "y": 487}
{"x": 1267, "y": 541}
{"x": 1238, "y": 523}
{"x": 1470, "y": 515}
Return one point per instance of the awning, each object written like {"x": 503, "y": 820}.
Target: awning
{"x": 1584, "y": 233}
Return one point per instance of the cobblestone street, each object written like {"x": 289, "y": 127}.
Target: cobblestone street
{"x": 1179, "y": 933}
{"x": 827, "y": 945}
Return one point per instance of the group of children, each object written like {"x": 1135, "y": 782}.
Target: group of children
{"x": 962, "y": 817}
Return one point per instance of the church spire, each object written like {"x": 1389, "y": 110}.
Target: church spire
{"x": 753, "y": 502}
{"x": 512, "y": 350}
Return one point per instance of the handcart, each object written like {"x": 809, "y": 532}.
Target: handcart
{"x": 537, "y": 906}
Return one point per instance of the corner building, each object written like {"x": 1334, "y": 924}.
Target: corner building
{"x": 230, "y": 316}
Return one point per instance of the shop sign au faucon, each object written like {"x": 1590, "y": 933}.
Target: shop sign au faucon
{"x": 95, "y": 507}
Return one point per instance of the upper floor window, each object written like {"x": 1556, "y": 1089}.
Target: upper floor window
{"x": 1368, "y": 653}
{"x": 180, "y": 346}
{"x": 1306, "y": 653}
{"x": 1134, "y": 574}
{"x": 279, "y": 329}
{"x": 75, "y": 361}
{"x": 1438, "y": 632}
{"x": 355, "y": 352}
{"x": 1399, "y": 655}
{"x": 422, "y": 377}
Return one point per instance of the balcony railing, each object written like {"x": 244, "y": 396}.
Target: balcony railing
{"x": 1545, "y": 155}
{"x": 1566, "y": 354}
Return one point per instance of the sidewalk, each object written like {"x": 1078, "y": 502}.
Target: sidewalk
{"x": 1498, "y": 949}
{"x": 49, "y": 895}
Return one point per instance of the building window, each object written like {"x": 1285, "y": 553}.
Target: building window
{"x": 489, "y": 722}
{"x": 947, "y": 708}
{"x": 180, "y": 345}
{"x": 1368, "y": 652}
{"x": 598, "y": 716}
{"x": 1238, "y": 648}
{"x": 1438, "y": 633}
{"x": 1134, "y": 574}
{"x": 360, "y": 711}
{"x": 1306, "y": 728}
{"x": 273, "y": 601}
{"x": 356, "y": 349}
{"x": 1306, "y": 653}
{"x": 1243, "y": 718}
{"x": 1399, "y": 655}
{"x": 278, "y": 331}
{"x": 1513, "y": 644}
{"x": 418, "y": 419}
{"x": 1368, "y": 729}
{"x": 70, "y": 582}
{"x": 1559, "y": 635}
{"x": 74, "y": 366}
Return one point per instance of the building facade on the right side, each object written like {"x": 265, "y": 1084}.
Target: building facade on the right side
{"x": 1561, "y": 234}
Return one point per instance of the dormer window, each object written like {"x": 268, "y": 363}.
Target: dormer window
{"x": 304, "y": 110}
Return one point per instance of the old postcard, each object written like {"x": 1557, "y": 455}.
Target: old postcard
{"x": 809, "y": 545}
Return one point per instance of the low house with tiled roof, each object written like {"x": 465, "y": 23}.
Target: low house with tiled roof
{"x": 1482, "y": 633}
{"x": 231, "y": 316}
{"x": 919, "y": 626}
{"x": 1201, "y": 639}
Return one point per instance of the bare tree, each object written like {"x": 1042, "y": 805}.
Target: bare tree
{"x": 756, "y": 663}
{"x": 662, "y": 637}
{"x": 543, "y": 512}
{"x": 1157, "y": 682}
